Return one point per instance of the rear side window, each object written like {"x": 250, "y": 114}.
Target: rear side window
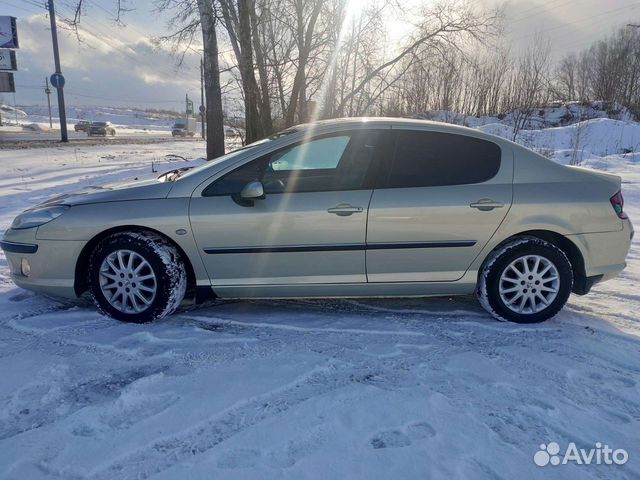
{"x": 432, "y": 159}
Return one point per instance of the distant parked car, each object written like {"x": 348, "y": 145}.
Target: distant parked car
{"x": 82, "y": 126}
{"x": 101, "y": 128}
{"x": 341, "y": 208}
{"x": 184, "y": 127}
{"x": 230, "y": 132}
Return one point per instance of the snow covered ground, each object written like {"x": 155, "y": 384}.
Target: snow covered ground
{"x": 367, "y": 389}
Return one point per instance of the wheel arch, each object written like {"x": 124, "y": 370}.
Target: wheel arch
{"x": 568, "y": 247}
{"x": 81, "y": 282}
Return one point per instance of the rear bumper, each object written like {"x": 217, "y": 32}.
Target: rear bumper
{"x": 604, "y": 254}
{"x": 45, "y": 266}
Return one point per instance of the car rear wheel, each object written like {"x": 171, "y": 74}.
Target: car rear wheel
{"x": 527, "y": 280}
{"x": 137, "y": 277}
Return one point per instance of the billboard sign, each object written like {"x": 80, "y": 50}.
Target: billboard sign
{"x": 8, "y": 60}
{"x": 8, "y": 32}
{"x": 7, "y": 85}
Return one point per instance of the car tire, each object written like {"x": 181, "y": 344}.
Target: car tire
{"x": 137, "y": 277}
{"x": 526, "y": 280}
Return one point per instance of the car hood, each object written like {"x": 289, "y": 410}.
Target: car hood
{"x": 146, "y": 189}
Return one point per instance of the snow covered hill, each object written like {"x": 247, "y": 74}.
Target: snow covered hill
{"x": 366, "y": 389}
{"x": 557, "y": 114}
{"x": 127, "y": 118}
{"x": 116, "y": 115}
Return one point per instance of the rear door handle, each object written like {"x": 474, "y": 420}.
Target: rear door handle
{"x": 344, "y": 210}
{"x": 486, "y": 204}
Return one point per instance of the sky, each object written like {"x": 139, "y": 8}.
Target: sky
{"x": 120, "y": 66}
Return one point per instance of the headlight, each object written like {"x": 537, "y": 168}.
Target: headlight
{"x": 38, "y": 216}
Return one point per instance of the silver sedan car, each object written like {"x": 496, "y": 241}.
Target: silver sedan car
{"x": 342, "y": 208}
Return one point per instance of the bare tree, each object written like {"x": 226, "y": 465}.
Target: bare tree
{"x": 442, "y": 26}
{"x": 529, "y": 83}
{"x": 189, "y": 18}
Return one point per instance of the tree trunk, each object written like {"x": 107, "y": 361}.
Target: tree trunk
{"x": 265, "y": 106}
{"x": 215, "y": 121}
{"x": 304, "y": 40}
{"x": 249, "y": 84}
{"x": 239, "y": 30}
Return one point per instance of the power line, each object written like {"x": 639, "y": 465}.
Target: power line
{"x": 139, "y": 58}
{"x": 127, "y": 26}
{"x": 593, "y": 35}
{"x": 544, "y": 10}
{"x": 97, "y": 97}
{"x": 120, "y": 99}
{"x": 537, "y": 7}
{"x": 9, "y": 4}
{"x": 601, "y": 14}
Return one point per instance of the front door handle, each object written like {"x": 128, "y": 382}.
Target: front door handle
{"x": 344, "y": 210}
{"x": 486, "y": 204}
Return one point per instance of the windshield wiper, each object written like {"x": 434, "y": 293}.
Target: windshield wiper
{"x": 173, "y": 175}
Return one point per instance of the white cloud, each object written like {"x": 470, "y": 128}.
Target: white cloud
{"x": 106, "y": 62}
{"x": 123, "y": 63}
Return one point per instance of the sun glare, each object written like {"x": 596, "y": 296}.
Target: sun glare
{"x": 354, "y": 9}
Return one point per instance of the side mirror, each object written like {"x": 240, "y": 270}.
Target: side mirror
{"x": 250, "y": 192}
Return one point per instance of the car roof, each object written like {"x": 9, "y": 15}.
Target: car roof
{"x": 394, "y": 122}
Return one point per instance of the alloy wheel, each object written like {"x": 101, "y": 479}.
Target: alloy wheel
{"x": 127, "y": 281}
{"x": 529, "y": 284}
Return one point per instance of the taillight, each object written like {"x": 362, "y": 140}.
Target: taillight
{"x": 617, "y": 202}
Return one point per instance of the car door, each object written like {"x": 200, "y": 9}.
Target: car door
{"x": 436, "y": 206}
{"x": 310, "y": 227}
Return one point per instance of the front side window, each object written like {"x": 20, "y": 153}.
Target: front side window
{"x": 328, "y": 163}
{"x": 431, "y": 159}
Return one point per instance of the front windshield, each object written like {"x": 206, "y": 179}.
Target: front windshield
{"x": 237, "y": 152}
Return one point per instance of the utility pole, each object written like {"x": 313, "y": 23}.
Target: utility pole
{"x": 47, "y": 90}
{"x": 202, "y": 107}
{"x": 59, "y": 83}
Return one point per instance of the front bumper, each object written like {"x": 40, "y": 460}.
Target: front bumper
{"x": 47, "y": 266}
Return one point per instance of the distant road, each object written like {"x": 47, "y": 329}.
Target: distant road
{"x": 29, "y": 139}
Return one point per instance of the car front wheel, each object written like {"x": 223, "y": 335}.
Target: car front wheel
{"x": 527, "y": 280}
{"x": 137, "y": 277}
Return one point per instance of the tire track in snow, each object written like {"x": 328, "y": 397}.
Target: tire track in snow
{"x": 44, "y": 403}
{"x": 165, "y": 453}
{"x": 353, "y": 368}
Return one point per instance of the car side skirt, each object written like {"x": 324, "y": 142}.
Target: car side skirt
{"x": 465, "y": 286}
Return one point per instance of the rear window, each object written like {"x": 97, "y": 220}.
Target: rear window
{"x": 431, "y": 159}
